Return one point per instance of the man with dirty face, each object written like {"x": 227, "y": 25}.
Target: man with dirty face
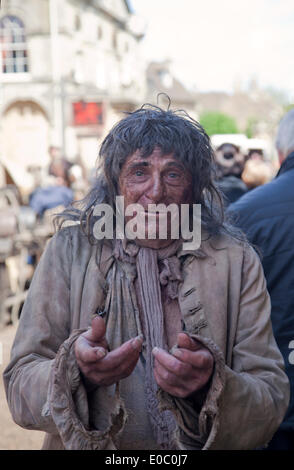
{"x": 137, "y": 342}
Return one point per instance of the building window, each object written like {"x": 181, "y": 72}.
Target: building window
{"x": 13, "y": 45}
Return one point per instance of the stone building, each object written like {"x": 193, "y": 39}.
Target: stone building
{"x": 254, "y": 108}
{"x": 160, "y": 79}
{"x": 67, "y": 69}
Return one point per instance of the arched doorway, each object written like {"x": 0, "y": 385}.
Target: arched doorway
{"x": 25, "y": 135}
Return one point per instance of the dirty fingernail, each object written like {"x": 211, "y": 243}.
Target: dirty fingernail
{"x": 177, "y": 353}
{"x": 100, "y": 352}
{"x": 137, "y": 342}
{"x": 173, "y": 349}
{"x": 155, "y": 350}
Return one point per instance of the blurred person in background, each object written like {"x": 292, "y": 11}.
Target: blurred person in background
{"x": 60, "y": 169}
{"x": 56, "y": 190}
{"x": 266, "y": 215}
{"x": 63, "y": 183}
{"x": 255, "y": 154}
{"x": 71, "y": 174}
{"x": 55, "y": 153}
{"x": 230, "y": 164}
{"x": 256, "y": 173}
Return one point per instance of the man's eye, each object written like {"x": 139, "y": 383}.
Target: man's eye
{"x": 173, "y": 175}
{"x": 139, "y": 173}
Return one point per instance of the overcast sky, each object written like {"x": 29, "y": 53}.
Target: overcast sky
{"x": 216, "y": 43}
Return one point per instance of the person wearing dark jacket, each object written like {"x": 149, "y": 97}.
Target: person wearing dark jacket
{"x": 266, "y": 215}
{"x": 229, "y": 166}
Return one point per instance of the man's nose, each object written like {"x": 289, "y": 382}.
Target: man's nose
{"x": 156, "y": 189}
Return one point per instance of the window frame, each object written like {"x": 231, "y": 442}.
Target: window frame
{"x": 14, "y": 61}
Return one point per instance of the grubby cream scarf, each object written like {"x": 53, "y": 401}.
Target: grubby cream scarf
{"x": 151, "y": 269}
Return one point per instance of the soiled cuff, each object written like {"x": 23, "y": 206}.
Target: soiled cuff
{"x": 68, "y": 404}
{"x": 198, "y": 416}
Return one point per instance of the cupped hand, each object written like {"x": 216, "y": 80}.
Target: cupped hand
{"x": 100, "y": 366}
{"x": 186, "y": 370}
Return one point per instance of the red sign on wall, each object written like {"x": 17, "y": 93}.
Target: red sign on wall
{"x": 86, "y": 114}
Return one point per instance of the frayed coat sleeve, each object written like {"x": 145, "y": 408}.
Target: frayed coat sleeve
{"x": 255, "y": 389}
{"x": 44, "y": 325}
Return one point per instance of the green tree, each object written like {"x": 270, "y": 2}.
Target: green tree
{"x": 218, "y": 123}
{"x": 251, "y": 127}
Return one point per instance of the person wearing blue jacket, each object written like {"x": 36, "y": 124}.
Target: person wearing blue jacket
{"x": 266, "y": 215}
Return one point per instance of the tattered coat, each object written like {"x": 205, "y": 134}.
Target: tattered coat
{"x": 224, "y": 303}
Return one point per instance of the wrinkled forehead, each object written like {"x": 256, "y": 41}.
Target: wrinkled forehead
{"x": 157, "y": 156}
{"x": 157, "y": 152}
